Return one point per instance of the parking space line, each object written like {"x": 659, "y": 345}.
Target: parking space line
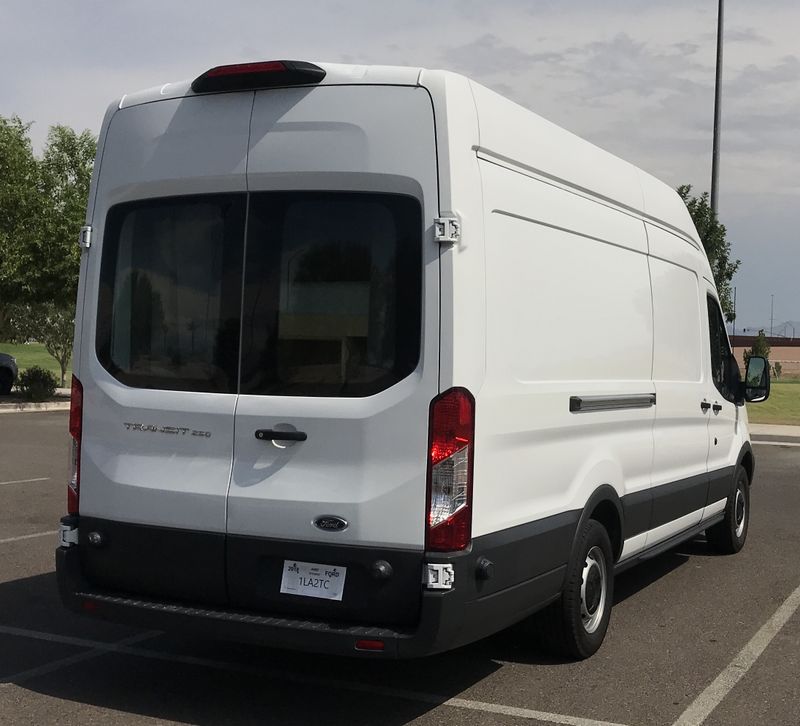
{"x": 25, "y": 481}
{"x": 29, "y": 536}
{"x": 775, "y": 443}
{"x": 417, "y": 696}
{"x": 21, "y": 676}
{"x": 699, "y": 710}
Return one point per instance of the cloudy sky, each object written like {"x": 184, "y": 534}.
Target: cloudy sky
{"x": 634, "y": 76}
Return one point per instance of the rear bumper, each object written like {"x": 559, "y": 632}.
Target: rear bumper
{"x": 281, "y": 632}
{"x": 520, "y": 583}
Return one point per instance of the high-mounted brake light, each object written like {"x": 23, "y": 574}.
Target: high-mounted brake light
{"x": 450, "y": 460}
{"x": 75, "y": 431}
{"x": 250, "y": 76}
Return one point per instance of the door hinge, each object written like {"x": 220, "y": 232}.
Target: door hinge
{"x": 85, "y": 236}
{"x": 447, "y": 230}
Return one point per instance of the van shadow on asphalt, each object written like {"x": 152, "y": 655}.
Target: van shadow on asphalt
{"x": 244, "y": 684}
{"x": 249, "y": 684}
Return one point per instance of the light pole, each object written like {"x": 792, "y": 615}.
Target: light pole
{"x": 771, "y": 311}
{"x": 717, "y": 112}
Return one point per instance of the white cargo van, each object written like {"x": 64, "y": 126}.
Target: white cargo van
{"x": 371, "y": 360}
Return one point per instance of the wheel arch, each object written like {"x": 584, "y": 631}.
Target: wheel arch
{"x": 604, "y": 506}
{"x": 747, "y": 460}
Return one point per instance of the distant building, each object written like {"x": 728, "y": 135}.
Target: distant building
{"x": 785, "y": 351}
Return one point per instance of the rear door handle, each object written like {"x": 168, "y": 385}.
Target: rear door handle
{"x": 705, "y": 405}
{"x": 272, "y": 435}
{"x": 717, "y": 407}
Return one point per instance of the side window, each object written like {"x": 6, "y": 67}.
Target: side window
{"x": 724, "y": 370}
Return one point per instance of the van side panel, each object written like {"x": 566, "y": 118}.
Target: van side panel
{"x": 681, "y": 428}
{"x": 569, "y": 315}
{"x": 511, "y": 132}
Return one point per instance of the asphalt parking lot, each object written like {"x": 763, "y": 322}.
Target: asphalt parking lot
{"x": 694, "y": 638}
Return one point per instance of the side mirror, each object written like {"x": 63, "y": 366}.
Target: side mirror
{"x": 756, "y": 380}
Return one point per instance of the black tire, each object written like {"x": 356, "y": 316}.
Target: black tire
{"x": 6, "y": 381}
{"x": 728, "y": 537}
{"x": 565, "y": 628}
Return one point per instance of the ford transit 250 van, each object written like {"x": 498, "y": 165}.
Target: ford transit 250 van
{"x": 373, "y": 361}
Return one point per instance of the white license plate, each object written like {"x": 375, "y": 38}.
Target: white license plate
{"x": 313, "y": 580}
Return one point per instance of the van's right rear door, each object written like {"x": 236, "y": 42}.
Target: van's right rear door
{"x": 340, "y": 344}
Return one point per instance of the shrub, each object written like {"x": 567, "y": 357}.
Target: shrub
{"x": 37, "y": 383}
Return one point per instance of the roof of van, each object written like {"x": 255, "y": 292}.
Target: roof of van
{"x": 514, "y": 135}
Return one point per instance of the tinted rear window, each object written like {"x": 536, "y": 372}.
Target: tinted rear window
{"x": 332, "y": 293}
{"x": 328, "y": 297}
{"x": 170, "y": 293}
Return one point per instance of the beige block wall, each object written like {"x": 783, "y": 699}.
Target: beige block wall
{"x": 787, "y": 356}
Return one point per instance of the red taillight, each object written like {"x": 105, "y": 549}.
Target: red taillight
{"x": 75, "y": 431}
{"x": 451, "y": 451}
{"x": 251, "y": 76}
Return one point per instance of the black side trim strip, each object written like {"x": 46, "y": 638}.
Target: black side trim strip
{"x": 638, "y": 509}
{"x": 721, "y": 484}
{"x": 674, "y": 500}
{"x": 650, "y": 508}
{"x": 586, "y": 404}
{"x": 661, "y": 547}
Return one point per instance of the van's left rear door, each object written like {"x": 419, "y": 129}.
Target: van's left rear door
{"x": 159, "y": 353}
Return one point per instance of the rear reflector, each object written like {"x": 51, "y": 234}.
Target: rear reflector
{"x": 375, "y": 645}
{"x": 75, "y": 431}
{"x": 251, "y": 76}
{"x": 452, "y": 434}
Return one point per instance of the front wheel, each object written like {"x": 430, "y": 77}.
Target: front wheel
{"x": 575, "y": 625}
{"x": 729, "y": 535}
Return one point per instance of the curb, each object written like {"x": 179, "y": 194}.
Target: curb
{"x": 773, "y": 439}
{"x": 33, "y": 407}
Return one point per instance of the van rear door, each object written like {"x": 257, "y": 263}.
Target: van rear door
{"x": 339, "y": 354}
{"x": 163, "y": 296}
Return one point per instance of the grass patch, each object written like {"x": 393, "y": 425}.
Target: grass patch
{"x": 33, "y": 354}
{"x": 782, "y": 406}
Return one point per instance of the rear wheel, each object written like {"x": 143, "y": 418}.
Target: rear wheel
{"x": 575, "y": 625}
{"x": 6, "y": 381}
{"x": 728, "y": 537}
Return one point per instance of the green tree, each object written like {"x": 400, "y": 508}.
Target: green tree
{"x": 47, "y": 323}
{"x": 20, "y": 211}
{"x": 65, "y": 172}
{"x": 718, "y": 249}
{"x": 42, "y": 207}
{"x": 760, "y": 348}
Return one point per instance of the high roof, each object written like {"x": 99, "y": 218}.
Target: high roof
{"x": 511, "y": 132}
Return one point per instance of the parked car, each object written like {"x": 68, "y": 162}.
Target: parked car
{"x": 374, "y": 361}
{"x": 8, "y": 373}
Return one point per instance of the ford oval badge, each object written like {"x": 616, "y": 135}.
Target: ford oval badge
{"x": 330, "y": 523}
